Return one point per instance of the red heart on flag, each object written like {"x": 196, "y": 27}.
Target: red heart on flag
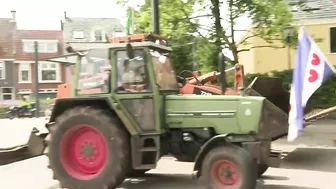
{"x": 313, "y": 75}
{"x": 316, "y": 60}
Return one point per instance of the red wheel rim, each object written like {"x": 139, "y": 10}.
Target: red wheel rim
{"x": 225, "y": 174}
{"x": 83, "y": 152}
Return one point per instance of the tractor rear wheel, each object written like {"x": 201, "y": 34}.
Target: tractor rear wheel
{"x": 229, "y": 167}
{"x": 88, "y": 149}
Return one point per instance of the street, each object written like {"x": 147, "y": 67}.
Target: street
{"x": 310, "y": 163}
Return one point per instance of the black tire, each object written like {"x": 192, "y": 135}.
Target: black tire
{"x": 137, "y": 173}
{"x": 234, "y": 156}
{"x": 262, "y": 168}
{"x": 117, "y": 162}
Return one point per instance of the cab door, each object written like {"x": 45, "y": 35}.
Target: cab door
{"x": 134, "y": 93}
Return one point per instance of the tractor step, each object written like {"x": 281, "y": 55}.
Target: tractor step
{"x": 145, "y": 151}
{"x": 274, "y": 158}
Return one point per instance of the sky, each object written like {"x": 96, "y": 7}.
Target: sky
{"x": 46, "y": 15}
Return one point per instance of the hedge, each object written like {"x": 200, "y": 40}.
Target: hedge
{"x": 324, "y": 97}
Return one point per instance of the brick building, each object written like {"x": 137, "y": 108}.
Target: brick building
{"x": 7, "y": 53}
{"x": 50, "y": 43}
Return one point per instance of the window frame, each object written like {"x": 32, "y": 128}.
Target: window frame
{"x": 102, "y": 32}
{"x": 25, "y": 69}
{"x": 150, "y": 85}
{"x": 57, "y": 72}
{"x": 3, "y": 70}
{"x": 330, "y": 40}
{"x": 3, "y": 94}
{"x": 43, "y": 45}
{"x": 78, "y": 30}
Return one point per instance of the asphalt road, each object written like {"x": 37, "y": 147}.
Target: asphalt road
{"x": 310, "y": 163}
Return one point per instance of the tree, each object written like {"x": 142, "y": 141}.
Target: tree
{"x": 269, "y": 18}
{"x": 172, "y": 15}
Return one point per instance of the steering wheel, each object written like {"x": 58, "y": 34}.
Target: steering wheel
{"x": 188, "y": 71}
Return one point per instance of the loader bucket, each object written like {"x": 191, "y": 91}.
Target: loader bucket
{"x": 33, "y": 148}
{"x": 274, "y": 121}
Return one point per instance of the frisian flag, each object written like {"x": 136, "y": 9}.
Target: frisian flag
{"x": 312, "y": 69}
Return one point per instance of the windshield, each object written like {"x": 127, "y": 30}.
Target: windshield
{"x": 94, "y": 72}
{"x": 164, "y": 72}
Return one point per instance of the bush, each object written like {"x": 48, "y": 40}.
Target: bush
{"x": 4, "y": 108}
{"x": 324, "y": 97}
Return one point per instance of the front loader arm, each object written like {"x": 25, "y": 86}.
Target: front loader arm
{"x": 212, "y": 77}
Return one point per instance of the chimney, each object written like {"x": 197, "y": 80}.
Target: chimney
{"x": 65, "y": 16}
{"x": 13, "y": 15}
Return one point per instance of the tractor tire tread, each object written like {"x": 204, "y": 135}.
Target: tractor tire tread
{"x": 239, "y": 156}
{"x": 120, "y": 138}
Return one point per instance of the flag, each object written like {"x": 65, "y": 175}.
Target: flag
{"x": 312, "y": 69}
{"x": 129, "y": 24}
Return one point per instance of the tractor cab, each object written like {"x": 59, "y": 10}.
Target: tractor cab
{"x": 138, "y": 67}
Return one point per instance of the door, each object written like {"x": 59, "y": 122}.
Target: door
{"x": 134, "y": 93}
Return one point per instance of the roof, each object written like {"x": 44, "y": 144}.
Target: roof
{"x": 119, "y": 45}
{"x": 312, "y": 9}
{"x": 71, "y": 58}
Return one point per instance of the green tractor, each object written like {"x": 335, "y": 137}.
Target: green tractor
{"x": 126, "y": 112}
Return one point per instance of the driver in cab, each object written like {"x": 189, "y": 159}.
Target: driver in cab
{"x": 132, "y": 77}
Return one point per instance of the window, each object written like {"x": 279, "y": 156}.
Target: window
{"x": 118, "y": 34}
{"x": 333, "y": 40}
{"x": 78, "y": 34}
{"x": 49, "y": 72}
{"x": 98, "y": 35}
{"x": 44, "y": 46}
{"x": 164, "y": 72}
{"x": 25, "y": 73}
{"x": 7, "y": 93}
{"x": 132, "y": 74}
{"x": 2, "y": 70}
{"x": 95, "y": 72}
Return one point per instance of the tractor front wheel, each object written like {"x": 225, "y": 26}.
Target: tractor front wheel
{"x": 229, "y": 167}
{"x": 88, "y": 148}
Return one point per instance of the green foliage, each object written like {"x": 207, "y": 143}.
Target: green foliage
{"x": 173, "y": 15}
{"x": 4, "y": 109}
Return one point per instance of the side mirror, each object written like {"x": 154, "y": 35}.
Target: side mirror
{"x": 69, "y": 49}
{"x": 221, "y": 69}
{"x": 130, "y": 51}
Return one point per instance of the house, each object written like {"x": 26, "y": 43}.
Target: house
{"x": 84, "y": 33}
{"x": 319, "y": 20}
{"x": 50, "y": 43}
{"x": 7, "y": 53}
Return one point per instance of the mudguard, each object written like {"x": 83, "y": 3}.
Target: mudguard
{"x": 205, "y": 148}
{"x": 33, "y": 148}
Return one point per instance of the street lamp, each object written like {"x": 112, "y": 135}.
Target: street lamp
{"x": 288, "y": 33}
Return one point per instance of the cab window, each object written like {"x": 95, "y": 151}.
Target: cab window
{"x": 164, "y": 72}
{"x": 132, "y": 73}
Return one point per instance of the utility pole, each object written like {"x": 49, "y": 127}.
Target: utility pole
{"x": 195, "y": 60}
{"x": 155, "y": 16}
{"x": 37, "y": 87}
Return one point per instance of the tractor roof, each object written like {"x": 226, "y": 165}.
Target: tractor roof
{"x": 78, "y": 46}
{"x": 71, "y": 58}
